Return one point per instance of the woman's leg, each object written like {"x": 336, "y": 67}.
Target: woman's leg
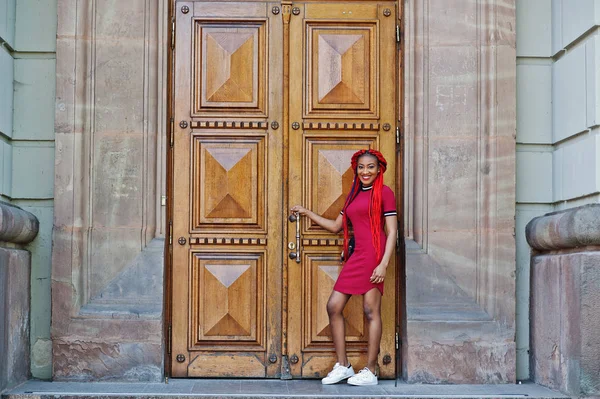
{"x": 335, "y": 307}
{"x": 372, "y": 309}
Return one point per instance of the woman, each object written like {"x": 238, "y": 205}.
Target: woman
{"x": 367, "y": 206}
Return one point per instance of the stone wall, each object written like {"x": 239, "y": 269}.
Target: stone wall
{"x": 565, "y": 300}
{"x": 17, "y": 228}
{"x": 460, "y": 191}
{"x": 108, "y": 224}
{"x": 558, "y": 114}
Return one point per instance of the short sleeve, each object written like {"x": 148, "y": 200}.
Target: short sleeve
{"x": 388, "y": 202}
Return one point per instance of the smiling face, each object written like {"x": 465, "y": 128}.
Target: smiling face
{"x": 367, "y": 169}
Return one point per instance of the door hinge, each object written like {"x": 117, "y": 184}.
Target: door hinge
{"x": 172, "y": 34}
{"x": 170, "y": 233}
{"x": 172, "y": 132}
{"x": 397, "y": 135}
{"x": 171, "y": 339}
{"x": 397, "y": 342}
{"x": 397, "y": 33}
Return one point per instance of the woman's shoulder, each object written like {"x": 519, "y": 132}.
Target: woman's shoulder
{"x": 387, "y": 190}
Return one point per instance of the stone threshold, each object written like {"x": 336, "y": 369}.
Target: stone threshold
{"x": 274, "y": 389}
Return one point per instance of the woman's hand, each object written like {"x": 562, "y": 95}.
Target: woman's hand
{"x": 378, "y": 274}
{"x": 299, "y": 209}
{"x": 335, "y": 226}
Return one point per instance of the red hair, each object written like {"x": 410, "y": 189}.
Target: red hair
{"x": 375, "y": 204}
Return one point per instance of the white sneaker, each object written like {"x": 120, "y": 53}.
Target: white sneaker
{"x": 338, "y": 373}
{"x": 364, "y": 377}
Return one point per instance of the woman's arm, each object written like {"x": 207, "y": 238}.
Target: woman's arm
{"x": 335, "y": 226}
{"x": 391, "y": 228}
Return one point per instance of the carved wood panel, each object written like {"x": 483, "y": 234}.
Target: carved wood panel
{"x": 228, "y": 298}
{"x": 342, "y": 66}
{"x": 228, "y": 183}
{"x": 229, "y": 67}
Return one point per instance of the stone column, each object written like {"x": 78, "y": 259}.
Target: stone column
{"x": 107, "y": 263}
{"x": 565, "y": 300}
{"x": 460, "y": 120}
{"x": 17, "y": 228}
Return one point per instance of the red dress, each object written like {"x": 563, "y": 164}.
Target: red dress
{"x": 356, "y": 273}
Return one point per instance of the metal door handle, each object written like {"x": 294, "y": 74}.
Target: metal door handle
{"x": 295, "y": 255}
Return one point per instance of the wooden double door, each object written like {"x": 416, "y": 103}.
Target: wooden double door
{"x": 270, "y": 100}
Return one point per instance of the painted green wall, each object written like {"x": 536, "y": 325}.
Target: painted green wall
{"x": 27, "y": 91}
{"x": 558, "y": 134}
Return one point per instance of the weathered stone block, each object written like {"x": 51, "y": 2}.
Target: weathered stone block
{"x": 565, "y": 301}
{"x": 14, "y": 316}
{"x": 102, "y": 361}
{"x": 459, "y": 353}
{"x": 16, "y": 225}
{"x": 452, "y": 22}
{"x": 565, "y": 345}
{"x": 571, "y": 228}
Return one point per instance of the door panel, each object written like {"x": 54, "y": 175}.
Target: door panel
{"x": 230, "y": 67}
{"x": 228, "y": 182}
{"x": 226, "y": 315}
{"x": 237, "y": 168}
{"x": 341, "y": 61}
{"x": 341, "y": 100}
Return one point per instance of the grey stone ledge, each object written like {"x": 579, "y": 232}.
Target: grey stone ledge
{"x": 570, "y": 228}
{"x": 16, "y": 225}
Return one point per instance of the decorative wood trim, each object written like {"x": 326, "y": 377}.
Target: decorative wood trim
{"x": 339, "y": 126}
{"x": 323, "y": 242}
{"x": 227, "y": 241}
{"x": 229, "y": 125}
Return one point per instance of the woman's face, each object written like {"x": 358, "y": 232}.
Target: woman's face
{"x": 367, "y": 169}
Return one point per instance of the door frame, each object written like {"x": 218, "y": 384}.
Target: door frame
{"x": 400, "y": 159}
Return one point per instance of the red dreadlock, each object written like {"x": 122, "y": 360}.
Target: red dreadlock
{"x": 375, "y": 204}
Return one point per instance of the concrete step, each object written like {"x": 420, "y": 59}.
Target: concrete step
{"x": 273, "y": 389}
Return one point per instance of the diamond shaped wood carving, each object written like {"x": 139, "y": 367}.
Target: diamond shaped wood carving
{"x": 230, "y": 67}
{"x": 228, "y": 183}
{"x": 229, "y": 287}
{"x": 342, "y": 72}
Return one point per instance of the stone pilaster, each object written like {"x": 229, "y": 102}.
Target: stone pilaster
{"x": 460, "y": 119}
{"x": 107, "y": 268}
